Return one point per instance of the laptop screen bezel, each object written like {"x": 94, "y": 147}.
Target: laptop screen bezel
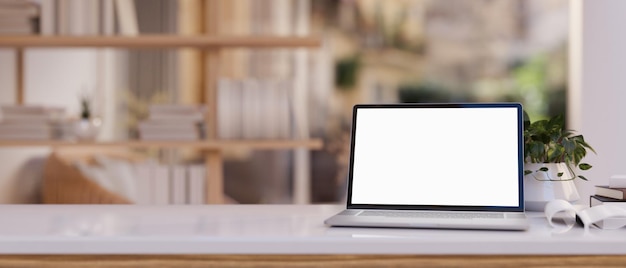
{"x": 520, "y": 138}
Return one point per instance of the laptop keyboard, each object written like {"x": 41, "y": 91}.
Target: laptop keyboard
{"x": 433, "y": 214}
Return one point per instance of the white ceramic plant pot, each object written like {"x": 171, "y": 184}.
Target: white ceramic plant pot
{"x": 87, "y": 130}
{"x": 542, "y": 187}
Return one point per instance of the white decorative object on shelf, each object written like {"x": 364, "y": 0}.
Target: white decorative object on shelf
{"x": 87, "y": 129}
{"x": 542, "y": 187}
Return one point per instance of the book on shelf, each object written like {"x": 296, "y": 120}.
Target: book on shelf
{"x": 230, "y": 109}
{"x": 285, "y": 110}
{"x": 161, "y": 185}
{"x": 612, "y": 222}
{"x": 173, "y": 122}
{"x": 176, "y": 113}
{"x": 127, "y": 17}
{"x": 176, "y": 119}
{"x": 606, "y": 191}
{"x": 169, "y": 132}
{"x": 183, "y": 109}
{"x": 22, "y": 131}
{"x": 196, "y": 178}
{"x": 19, "y": 17}
{"x": 20, "y": 8}
{"x": 168, "y": 128}
{"x": 31, "y": 113}
{"x": 178, "y": 184}
{"x": 145, "y": 182}
{"x": 252, "y": 113}
{"x": 169, "y": 137}
{"x": 15, "y": 27}
{"x": 31, "y": 122}
{"x": 150, "y": 125}
{"x": 27, "y": 119}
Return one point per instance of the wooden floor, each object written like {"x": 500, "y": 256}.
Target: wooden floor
{"x": 307, "y": 261}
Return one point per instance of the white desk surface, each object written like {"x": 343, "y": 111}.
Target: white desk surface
{"x": 264, "y": 229}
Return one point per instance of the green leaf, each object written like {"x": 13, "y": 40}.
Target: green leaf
{"x": 586, "y": 145}
{"x": 579, "y": 154}
{"x": 569, "y": 146}
{"x": 578, "y": 138}
{"x": 560, "y": 174}
{"x": 544, "y": 169}
{"x": 557, "y": 121}
{"x": 526, "y": 172}
{"x": 584, "y": 166}
{"x": 536, "y": 150}
{"x": 555, "y": 152}
{"x": 568, "y": 133}
{"x": 582, "y": 177}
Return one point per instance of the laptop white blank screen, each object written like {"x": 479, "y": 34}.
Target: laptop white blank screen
{"x": 436, "y": 156}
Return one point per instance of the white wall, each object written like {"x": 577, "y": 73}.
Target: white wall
{"x": 52, "y": 77}
{"x": 60, "y": 76}
{"x": 598, "y": 86}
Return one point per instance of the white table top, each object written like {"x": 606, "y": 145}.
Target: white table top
{"x": 264, "y": 229}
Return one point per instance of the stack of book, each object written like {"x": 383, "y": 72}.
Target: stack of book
{"x": 160, "y": 184}
{"x": 613, "y": 195}
{"x": 29, "y": 122}
{"x": 173, "y": 122}
{"x": 605, "y": 195}
{"x": 18, "y": 17}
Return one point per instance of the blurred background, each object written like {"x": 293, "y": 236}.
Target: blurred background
{"x": 369, "y": 51}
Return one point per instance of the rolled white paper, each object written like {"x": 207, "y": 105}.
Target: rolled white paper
{"x": 588, "y": 216}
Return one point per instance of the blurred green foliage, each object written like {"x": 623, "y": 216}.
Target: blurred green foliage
{"x": 423, "y": 92}
{"x": 346, "y": 72}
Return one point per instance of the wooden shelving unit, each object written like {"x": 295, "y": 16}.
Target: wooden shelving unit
{"x": 158, "y": 41}
{"x": 210, "y": 42}
{"x": 144, "y": 42}
{"x": 312, "y": 144}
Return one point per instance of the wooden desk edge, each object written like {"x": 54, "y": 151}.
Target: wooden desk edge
{"x": 310, "y": 260}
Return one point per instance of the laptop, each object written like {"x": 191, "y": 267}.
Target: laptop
{"x": 454, "y": 165}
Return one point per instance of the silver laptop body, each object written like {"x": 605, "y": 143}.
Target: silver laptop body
{"x": 436, "y": 166}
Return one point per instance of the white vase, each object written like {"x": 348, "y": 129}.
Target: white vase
{"x": 542, "y": 187}
{"x": 87, "y": 130}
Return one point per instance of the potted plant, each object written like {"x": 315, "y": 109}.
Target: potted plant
{"x": 552, "y": 157}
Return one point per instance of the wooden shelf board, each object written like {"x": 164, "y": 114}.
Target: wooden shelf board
{"x": 313, "y": 144}
{"x": 158, "y": 41}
